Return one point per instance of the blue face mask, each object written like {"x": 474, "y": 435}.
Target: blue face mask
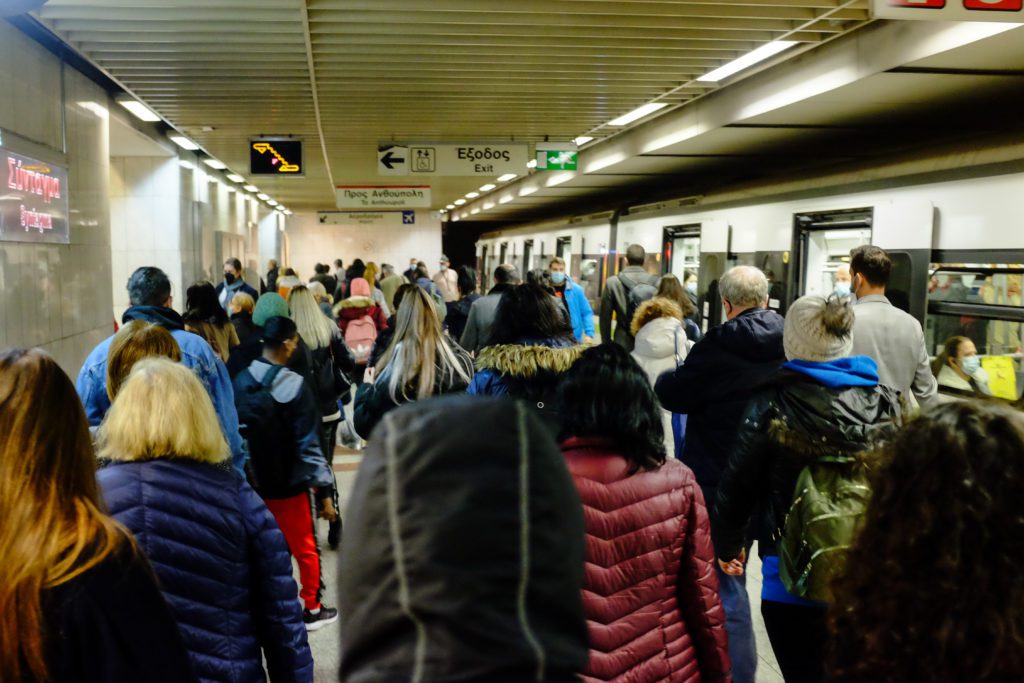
{"x": 557, "y": 278}
{"x": 971, "y": 364}
{"x": 843, "y": 289}
{"x": 691, "y": 287}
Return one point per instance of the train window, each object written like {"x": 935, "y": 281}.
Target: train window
{"x": 981, "y": 303}
{"x": 527, "y": 254}
{"x": 503, "y": 251}
{"x": 562, "y": 246}
{"x": 824, "y": 252}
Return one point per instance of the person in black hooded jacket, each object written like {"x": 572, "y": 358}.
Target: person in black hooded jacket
{"x": 712, "y": 388}
{"x": 459, "y": 567}
{"x": 822, "y": 403}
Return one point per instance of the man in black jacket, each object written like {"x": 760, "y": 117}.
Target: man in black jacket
{"x": 483, "y": 310}
{"x": 712, "y": 388}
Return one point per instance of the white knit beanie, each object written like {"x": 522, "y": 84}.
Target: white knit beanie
{"x": 818, "y": 330}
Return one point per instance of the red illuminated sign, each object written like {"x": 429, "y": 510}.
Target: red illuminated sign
{"x": 33, "y": 200}
{"x": 994, "y": 5}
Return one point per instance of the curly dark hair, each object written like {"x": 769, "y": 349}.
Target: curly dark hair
{"x": 932, "y": 589}
{"x": 607, "y": 394}
{"x": 529, "y": 312}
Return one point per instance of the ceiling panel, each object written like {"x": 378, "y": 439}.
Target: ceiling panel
{"x": 223, "y": 71}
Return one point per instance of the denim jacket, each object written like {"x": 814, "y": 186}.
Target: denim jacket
{"x": 195, "y": 354}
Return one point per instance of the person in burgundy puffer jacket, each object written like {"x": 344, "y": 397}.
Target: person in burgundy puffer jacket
{"x": 650, "y": 590}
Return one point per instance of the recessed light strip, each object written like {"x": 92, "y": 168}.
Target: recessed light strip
{"x": 751, "y": 58}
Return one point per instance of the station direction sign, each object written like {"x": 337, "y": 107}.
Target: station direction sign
{"x": 445, "y": 159}
{"x": 383, "y": 196}
{"x": 950, "y": 10}
{"x": 368, "y": 218}
{"x": 275, "y": 156}
{"x": 33, "y": 200}
{"x": 556, "y": 156}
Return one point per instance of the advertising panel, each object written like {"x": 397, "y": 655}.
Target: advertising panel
{"x": 33, "y": 200}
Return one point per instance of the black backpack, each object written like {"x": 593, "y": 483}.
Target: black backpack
{"x": 261, "y": 424}
{"x": 636, "y": 294}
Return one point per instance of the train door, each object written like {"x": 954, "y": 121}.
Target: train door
{"x": 823, "y": 241}
{"x": 681, "y": 250}
{"x": 715, "y": 247}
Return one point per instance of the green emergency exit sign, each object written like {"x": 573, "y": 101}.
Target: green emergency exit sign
{"x": 556, "y": 160}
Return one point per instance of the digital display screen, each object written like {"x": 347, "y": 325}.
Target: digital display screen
{"x": 33, "y": 200}
{"x": 271, "y": 156}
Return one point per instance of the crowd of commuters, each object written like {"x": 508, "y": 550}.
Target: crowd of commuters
{"x": 605, "y": 535}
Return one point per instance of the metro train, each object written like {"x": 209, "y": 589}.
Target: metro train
{"x": 957, "y": 245}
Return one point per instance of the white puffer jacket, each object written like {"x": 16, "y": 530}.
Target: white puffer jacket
{"x": 661, "y": 346}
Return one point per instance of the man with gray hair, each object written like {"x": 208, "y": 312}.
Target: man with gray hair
{"x": 712, "y": 389}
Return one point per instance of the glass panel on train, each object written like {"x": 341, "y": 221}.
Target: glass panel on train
{"x": 982, "y": 304}
{"x": 527, "y": 256}
{"x": 825, "y": 252}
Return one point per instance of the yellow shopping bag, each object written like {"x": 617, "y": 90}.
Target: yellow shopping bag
{"x": 1002, "y": 376}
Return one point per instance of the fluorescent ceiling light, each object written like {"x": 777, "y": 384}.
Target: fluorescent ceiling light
{"x": 475, "y": 211}
{"x": 488, "y": 205}
{"x": 751, "y": 58}
{"x": 459, "y": 202}
{"x": 215, "y": 163}
{"x": 560, "y": 178}
{"x": 527, "y": 190}
{"x": 450, "y": 207}
{"x": 186, "y": 164}
{"x": 488, "y": 187}
{"x": 235, "y": 178}
{"x": 141, "y": 111}
{"x": 183, "y": 142}
{"x": 98, "y": 109}
{"x": 287, "y": 212}
{"x": 532, "y": 163}
{"x": 506, "y": 199}
{"x": 637, "y": 113}
{"x": 507, "y": 177}
{"x": 272, "y": 202}
{"x": 251, "y": 188}
{"x": 472, "y": 195}
{"x": 582, "y": 140}
{"x": 263, "y": 196}
{"x": 455, "y": 218}
{"x": 230, "y": 189}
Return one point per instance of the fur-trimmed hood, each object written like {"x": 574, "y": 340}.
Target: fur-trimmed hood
{"x": 520, "y": 360}
{"x": 353, "y": 302}
{"x": 652, "y": 309}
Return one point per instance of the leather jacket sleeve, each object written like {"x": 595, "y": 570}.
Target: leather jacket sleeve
{"x": 698, "y": 595}
{"x": 743, "y": 479}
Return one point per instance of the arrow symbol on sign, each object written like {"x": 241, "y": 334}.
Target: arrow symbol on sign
{"x": 389, "y": 159}
{"x": 263, "y": 148}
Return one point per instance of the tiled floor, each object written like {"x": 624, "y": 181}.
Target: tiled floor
{"x": 326, "y": 642}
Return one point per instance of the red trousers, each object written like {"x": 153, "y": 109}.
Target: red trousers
{"x": 295, "y": 519}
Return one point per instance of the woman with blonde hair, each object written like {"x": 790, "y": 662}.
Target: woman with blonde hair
{"x": 223, "y": 564}
{"x": 78, "y": 601}
{"x": 370, "y": 275}
{"x": 332, "y": 368}
{"x": 420, "y": 362}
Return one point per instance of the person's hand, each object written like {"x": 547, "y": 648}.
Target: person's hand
{"x": 327, "y": 510}
{"x": 734, "y": 567}
{"x": 368, "y": 374}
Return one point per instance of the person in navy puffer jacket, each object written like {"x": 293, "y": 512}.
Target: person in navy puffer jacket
{"x": 221, "y": 560}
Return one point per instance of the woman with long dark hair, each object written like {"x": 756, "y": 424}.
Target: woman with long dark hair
{"x": 205, "y": 316}
{"x": 458, "y": 311}
{"x": 932, "y": 589}
{"x": 650, "y": 590}
{"x": 78, "y": 601}
{"x": 530, "y": 347}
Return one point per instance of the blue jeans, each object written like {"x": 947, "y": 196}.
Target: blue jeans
{"x": 742, "y": 648}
